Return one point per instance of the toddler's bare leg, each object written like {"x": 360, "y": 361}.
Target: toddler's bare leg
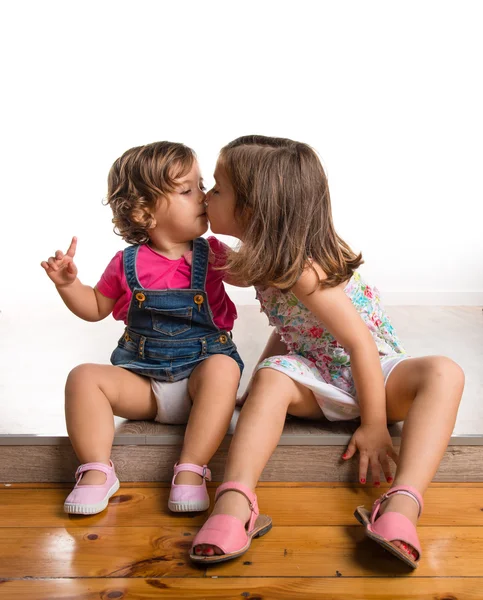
{"x": 93, "y": 395}
{"x": 212, "y": 387}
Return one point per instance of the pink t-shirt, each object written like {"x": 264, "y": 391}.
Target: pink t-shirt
{"x": 156, "y": 272}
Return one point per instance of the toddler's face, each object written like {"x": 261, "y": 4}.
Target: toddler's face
{"x": 221, "y": 203}
{"x": 182, "y": 215}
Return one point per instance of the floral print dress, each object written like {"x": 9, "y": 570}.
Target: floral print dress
{"x": 315, "y": 357}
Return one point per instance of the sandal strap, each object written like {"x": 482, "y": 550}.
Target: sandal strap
{"x": 225, "y": 531}
{"x": 234, "y": 486}
{"x": 393, "y": 526}
{"x": 203, "y": 470}
{"x": 94, "y": 466}
{"x": 405, "y": 490}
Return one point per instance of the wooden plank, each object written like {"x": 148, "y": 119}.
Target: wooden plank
{"x": 155, "y": 463}
{"x": 147, "y": 506}
{"x": 327, "y": 551}
{"x": 292, "y": 427}
{"x": 96, "y": 552}
{"x": 283, "y": 552}
{"x": 338, "y": 588}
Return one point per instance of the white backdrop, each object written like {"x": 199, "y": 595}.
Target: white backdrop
{"x": 389, "y": 93}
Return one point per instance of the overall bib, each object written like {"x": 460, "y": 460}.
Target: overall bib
{"x": 169, "y": 332}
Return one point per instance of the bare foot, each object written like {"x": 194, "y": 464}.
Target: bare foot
{"x": 230, "y": 503}
{"x": 407, "y": 507}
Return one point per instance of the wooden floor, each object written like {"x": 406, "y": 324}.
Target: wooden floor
{"x": 137, "y": 550}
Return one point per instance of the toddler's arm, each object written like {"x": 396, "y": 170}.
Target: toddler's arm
{"x": 83, "y": 300}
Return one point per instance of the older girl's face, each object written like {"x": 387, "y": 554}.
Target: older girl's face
{"x": 221, "y": 201}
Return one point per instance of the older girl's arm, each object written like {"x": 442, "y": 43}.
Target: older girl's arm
{"x": 339, "y": 316}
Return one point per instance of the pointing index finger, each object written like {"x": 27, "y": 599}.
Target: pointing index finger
{"x": 72, "y": 247}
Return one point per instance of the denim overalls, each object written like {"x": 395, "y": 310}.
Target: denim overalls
{"x": 169, "y": 332}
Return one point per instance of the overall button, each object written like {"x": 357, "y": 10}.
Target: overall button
{"x": 199, "y": 300}
{"x": 223, "y": 339}
{"x": 126, "y": 337}
{"x": 140, "y": 297}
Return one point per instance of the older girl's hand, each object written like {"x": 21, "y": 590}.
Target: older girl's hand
{"x": 375, "y": 448}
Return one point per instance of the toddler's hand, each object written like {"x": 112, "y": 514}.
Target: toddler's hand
{"x": 61, "y": 268}
{"x": 375, "y": 448}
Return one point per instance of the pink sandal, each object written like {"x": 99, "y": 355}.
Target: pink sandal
{"x": 189, "y": 498}
{"x": 392, "y": 526}
{"x": 91, "y": 499}
{"x": 229, "y": 533}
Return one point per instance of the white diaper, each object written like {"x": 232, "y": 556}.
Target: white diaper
{"x": 174, "y": 403}
{"x": 173, "y": 400}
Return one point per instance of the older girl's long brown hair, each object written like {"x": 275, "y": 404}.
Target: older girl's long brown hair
{"x": 283, "y": 203}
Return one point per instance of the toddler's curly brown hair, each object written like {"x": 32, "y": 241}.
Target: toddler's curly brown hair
{"x": 136, "y": 182}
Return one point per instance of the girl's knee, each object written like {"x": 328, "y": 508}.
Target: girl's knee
{"x": 223, "y": 361}
{"x": 79, "y": 376}
{"x": 270, "y": 384}
{"x": 219, "y": 369}
{"x": 444, "y": 367}
{"x": 220, "y": 364}
{"x": 281, "y": 391}
{"x": 268, "y": 376}
{"x": 443, "y": 370}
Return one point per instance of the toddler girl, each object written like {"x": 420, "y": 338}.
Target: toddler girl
{"x": 333, "y": 353}
{"x": 176, "y": 361}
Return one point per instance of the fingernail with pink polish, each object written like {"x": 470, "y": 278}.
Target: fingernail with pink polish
{"x": 363, "y": 480}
